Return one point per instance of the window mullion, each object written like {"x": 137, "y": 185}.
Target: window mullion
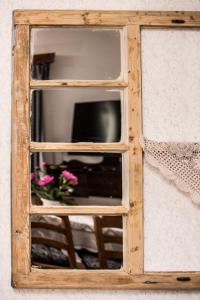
{"x": 20, "y": 153}
{"x": 134, "y": 221}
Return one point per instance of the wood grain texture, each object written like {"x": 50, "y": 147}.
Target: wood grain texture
{"x": 115, "y": 18}
{"x": 106, "y": 279}
{"x": 20, "y": 153}
{"x": 134, "y": 221}
{"x": 78, "y": 147}
{"x": 132, "y": 275}
{"x": 36, "y": 84}
{"x": 78, "y": 210}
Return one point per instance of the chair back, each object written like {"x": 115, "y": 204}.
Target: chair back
{"x": 103, "y": 237}
{"x": 63, "y": 229}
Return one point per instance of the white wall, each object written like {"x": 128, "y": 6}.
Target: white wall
{"x": 172, "y": 200}
{"x": 171, "y": 112}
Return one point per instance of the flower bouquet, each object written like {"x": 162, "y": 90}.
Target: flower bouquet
{"x": 53, "y": 185}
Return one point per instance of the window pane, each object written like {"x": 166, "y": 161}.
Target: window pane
{"x": 76, "y": 178}
{"x": 77, "y": 242}
{"x": 78, "y": 53}
{"x": 76, "y": 115}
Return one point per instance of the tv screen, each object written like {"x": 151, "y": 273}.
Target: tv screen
{"x": 98, "y": 122}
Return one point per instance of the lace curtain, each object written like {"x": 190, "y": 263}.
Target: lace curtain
{"x": 178, "y": 162}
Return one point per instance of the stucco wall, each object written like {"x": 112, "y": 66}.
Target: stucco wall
{"x": 173, "y": 207}
{"x": 171, "y": 93}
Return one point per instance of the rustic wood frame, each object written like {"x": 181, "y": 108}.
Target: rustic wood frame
{"x": 132, "y": 275}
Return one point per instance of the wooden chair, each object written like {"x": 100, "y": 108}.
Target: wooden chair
{"x": 63, "y": 229}
{"x": 102, "y": 238}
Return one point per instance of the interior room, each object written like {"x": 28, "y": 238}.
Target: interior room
{"x": 77, "y": 115}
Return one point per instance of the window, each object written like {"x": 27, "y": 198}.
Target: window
{"x": 77, "y": 107}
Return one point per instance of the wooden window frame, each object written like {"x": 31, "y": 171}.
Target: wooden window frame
{"x": 132, "y": 275}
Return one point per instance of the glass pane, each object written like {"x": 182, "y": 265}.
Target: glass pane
{"x": 76, "y": 115}
{"x": 76, "y": 178}
{"x": 77, "y": 242}
{"x": 76, "y": 53}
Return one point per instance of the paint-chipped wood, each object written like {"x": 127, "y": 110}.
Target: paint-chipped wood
{"x": 115, "y": 18}
{"x": 37, "y": 84}
{"x": 132, "y": 275}
{"x": 78, "y": 147}
{"x": 20, "y": 153}
{"x": 105, "y": 279}
{"x": 79, "y": 210}
{"x": 134, "y": 222}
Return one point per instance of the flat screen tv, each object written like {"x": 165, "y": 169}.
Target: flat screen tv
{"x": 98, "y": 122}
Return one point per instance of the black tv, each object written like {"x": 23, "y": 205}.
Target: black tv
{"x": 98, "y": 122}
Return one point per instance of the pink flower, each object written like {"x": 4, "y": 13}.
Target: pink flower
{"x": 44, "y": 180}
{"x": 32, "y": 176}
{"x": 71, "y": 177}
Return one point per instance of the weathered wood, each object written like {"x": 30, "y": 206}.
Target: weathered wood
{"x": 134, "y": 221}
{"x": 78, "y": 210}
{"x": 106, "y": 279}
{"x": 115, "y": 18}
{"x": 38, "y": 84}
{"x": 78, "y": 147}
{"x": 20, "y": 153}
{"x": 132, "y": 275}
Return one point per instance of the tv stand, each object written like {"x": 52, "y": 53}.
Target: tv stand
{"x": 102, "y": 179}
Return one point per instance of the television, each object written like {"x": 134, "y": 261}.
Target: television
{"x": 98, "y": 122}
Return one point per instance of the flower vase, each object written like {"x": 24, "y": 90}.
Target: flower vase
{"x": 46, "y": 202}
